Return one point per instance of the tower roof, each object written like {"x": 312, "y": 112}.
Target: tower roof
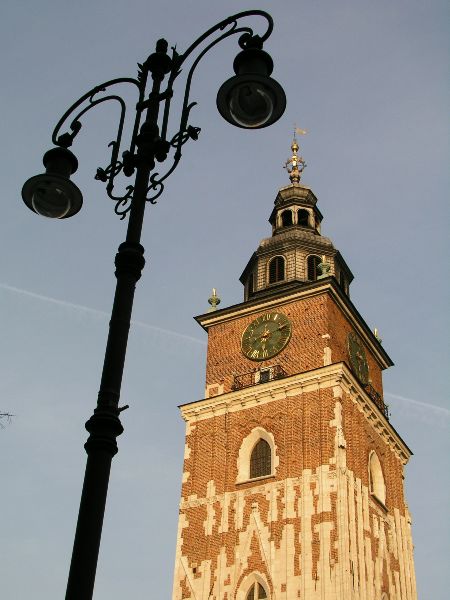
{"x": 297, "y": 253}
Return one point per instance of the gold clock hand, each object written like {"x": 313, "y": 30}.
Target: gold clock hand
{"x": 264, "y": 334}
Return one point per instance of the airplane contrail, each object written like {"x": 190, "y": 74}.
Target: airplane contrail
{"x": 443, "y": 412}
{"x": 100, "y": 313}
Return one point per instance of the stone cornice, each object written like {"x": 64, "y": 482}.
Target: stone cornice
{"x": 374, "y": 416}
{"x": 325, "y": 286}
{"x": 337, "y": 374}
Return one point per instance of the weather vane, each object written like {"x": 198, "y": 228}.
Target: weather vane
{"x": 295, "y": 165}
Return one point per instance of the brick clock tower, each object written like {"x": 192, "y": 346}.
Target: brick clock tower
{"x": 293, "y": 475}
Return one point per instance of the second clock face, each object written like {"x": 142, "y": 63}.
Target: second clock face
{"x": 266, "y": 336}
{"x": 358, "y": 358}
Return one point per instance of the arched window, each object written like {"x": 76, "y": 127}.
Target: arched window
{"x": 260, "y": 460}
{"x": 286, "y": 218}
{"x": 249, "y": 454}
{"x": 312, "y": 267}
{"x": 256, "y": 592}
{"x": 376, "y": 480}
{"x": 303, "y": 218}
{"x": 276, "y": 269}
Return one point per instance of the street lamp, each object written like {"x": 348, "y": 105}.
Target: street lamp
{"x": 250, "y": 99}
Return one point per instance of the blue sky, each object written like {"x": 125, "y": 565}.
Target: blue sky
{"x": 369, "y": 81}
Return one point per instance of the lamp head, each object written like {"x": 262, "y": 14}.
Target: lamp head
{"x": 251, "y": 99}
{"x": 52, "y": 194}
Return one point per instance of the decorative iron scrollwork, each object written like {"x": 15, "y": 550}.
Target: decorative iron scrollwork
{"x": 123, "y": 205}
{"x": 157, "y": 185}
{"x": 157, "y": 148}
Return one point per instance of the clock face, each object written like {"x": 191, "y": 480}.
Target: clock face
{"x": 358, "y": 360}
{"x": 266, "y": 336}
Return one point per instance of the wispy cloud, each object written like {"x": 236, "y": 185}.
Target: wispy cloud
{"x": 423, "y": 411}
{"x": 99, "y": 313}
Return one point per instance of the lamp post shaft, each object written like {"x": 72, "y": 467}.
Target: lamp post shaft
{"x": 104, "y": 426}
{"x": 80, "y": 585}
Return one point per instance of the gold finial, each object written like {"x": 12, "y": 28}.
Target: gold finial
{"x": 295, "y": 165}
{"x": 324, "y": 268}
{"x": 214, "y": 300}
{"x": 375, "y": 333}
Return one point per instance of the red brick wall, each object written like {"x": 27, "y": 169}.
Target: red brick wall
{"x": 311, "y": 318}
{"x": 304, "y": 440}
{"x": 300, "y": 426}
{"x": 339, "y": 328}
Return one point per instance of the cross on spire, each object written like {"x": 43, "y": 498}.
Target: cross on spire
{"x": 295, "y": 164}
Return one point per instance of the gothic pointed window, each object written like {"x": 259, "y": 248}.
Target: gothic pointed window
{"x": 255, "y": 459}
{"x": 256, "y": 592}
{"x": 286, "y": 218}
{"x": 312, "y": 267}
{"x": 376, "y": 480}
{"x": 276, "y": 269}
{"x": 260, "y": 460}
{"x": 303, "y": 218}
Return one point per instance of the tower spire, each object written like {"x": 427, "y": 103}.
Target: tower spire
{"x": 295, "y": 164}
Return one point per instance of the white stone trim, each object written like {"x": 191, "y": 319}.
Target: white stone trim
{"x": 211, "y": 386}
{"x": 377, "y": 485}
{"x": 326, "y": 350}
{"x": 358, "y": 562}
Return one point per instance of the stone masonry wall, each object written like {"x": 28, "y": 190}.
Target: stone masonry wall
{"x": 310, "y": 530}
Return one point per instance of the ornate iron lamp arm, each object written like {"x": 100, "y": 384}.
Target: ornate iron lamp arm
{"x": 232, "y": 20}
{"x": 184, "y": 132}
{"x": 179, "y": 59}
{"x": 66, "y": 139}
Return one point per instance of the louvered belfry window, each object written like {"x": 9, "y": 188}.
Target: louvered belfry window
{"x": 276, "y": 269}
{"x": 260, "y": 460}
{"x": 303, "y": 218}
{"x": 313, "y": 271}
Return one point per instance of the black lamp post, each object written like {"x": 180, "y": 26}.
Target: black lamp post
{"x": 250, "y": 99}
